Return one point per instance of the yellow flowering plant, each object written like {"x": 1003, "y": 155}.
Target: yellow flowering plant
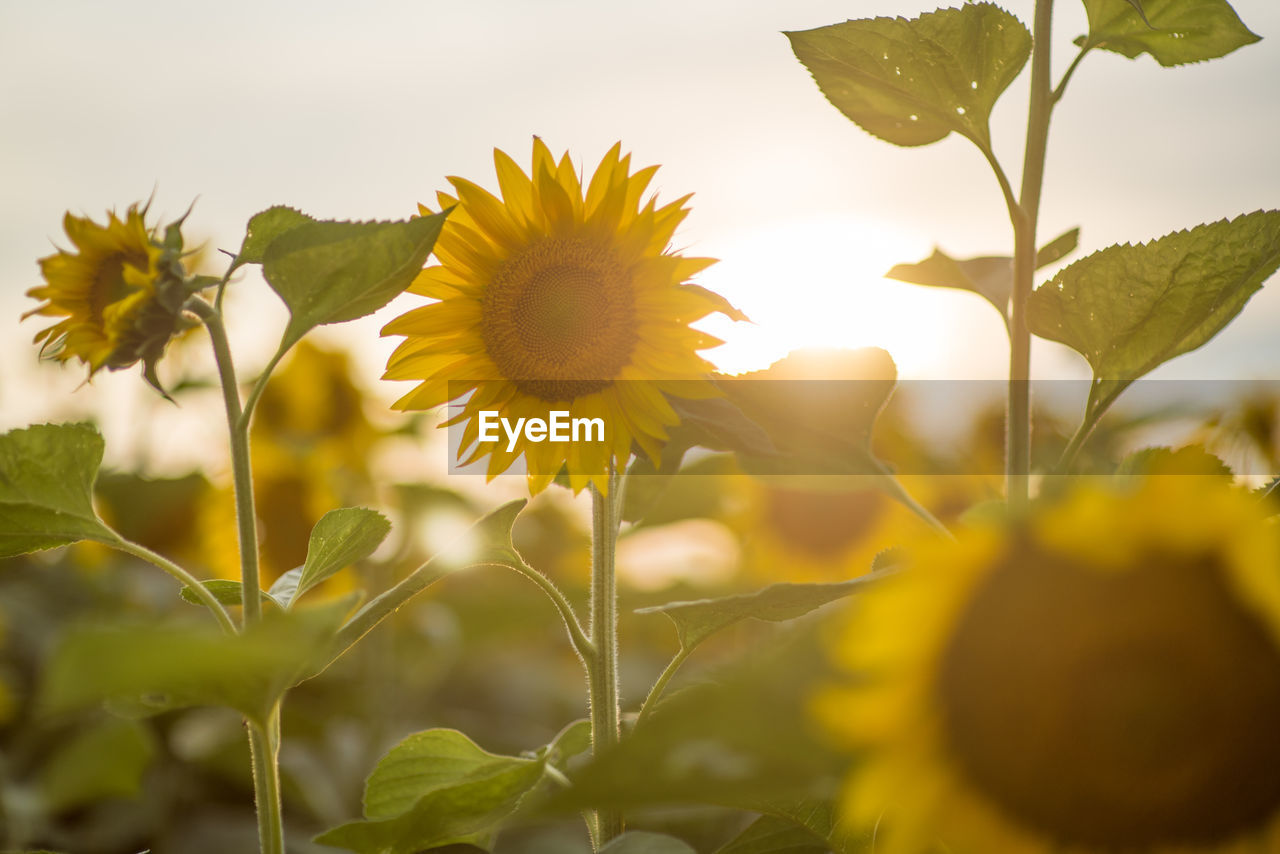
{"x": 1075, "y": 665}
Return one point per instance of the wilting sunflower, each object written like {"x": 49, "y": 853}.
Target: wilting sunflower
{"x": 552, "y": 298}
{"x": 119, "y": 294}
{"x": 1104, "y": 677}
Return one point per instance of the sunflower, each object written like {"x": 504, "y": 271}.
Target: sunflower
{"x": 1102, "y": 677}
{"x": 834, "y": 528}
{"x": 119, "y": 294}
{"x": 555, "y": 298}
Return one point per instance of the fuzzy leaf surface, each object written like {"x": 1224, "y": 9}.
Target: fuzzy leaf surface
{"x": 263, "y": 228}
{"x": 436, "y": 788}
{"x": 339, "y": 539}
{"x": 1174, "y": 32}
{"x": 47, "y": 474}
{"x": 332, "y": 272}
{"x": 912, "y": 82}
{"x": 698, "y": 619}
{"x": 1128, "y": 309}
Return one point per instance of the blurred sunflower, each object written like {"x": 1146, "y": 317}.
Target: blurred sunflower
{"x": 119, "y": 295}
{"x": 1102, "y": 677}
{"x": 311, "y": 444}
{"x": 834, "y": 532}
{"x": 552, "y": 298}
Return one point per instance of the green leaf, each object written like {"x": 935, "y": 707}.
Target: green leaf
{"x": 640, "y": 842}
{"x": 285, "y": 588}
{"x": 1127, "y": 309}
{"x": 107, "y": 760}
{"x": 989, "y": 276}
{"x": 264, "y": 227}
{"x": 697, "y": 620}
{"x": 339, "y": 539}
{"x": 436, "y": 788}
{"x": 818, "y": 409}
{"x": 722, "y": 305}
{"x": 655, "y": 498}
{"x": 1192, "y": 460}
{"x": 911, "y": 82}
{"x": 1058, "y": 248}
{"x": 486, "y": 542}
{"x": 46, "y": 487}
{"x": 713, "y": 422}
{"x": 332, "y": 272}
{"x": 225, "y": 591}
{"x": 187, "y": 664}
{"x": 745, "y": 740}
{"x": 424, "y": 762}
{"x": 772, "y": 835}
{"x": 1174, "y": 32}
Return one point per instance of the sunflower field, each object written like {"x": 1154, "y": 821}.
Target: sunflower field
{"x": 485, "y": 492}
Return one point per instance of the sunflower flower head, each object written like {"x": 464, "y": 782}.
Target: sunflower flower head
{"x": 1101, "y": 677}
{"x": 557, "y": 296}
{"x": 118, "y": 294}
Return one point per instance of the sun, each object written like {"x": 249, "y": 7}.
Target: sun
{"x": 779, "y": 272}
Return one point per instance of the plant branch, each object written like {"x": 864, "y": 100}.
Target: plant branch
{"x": 602, "y": 675}
{"x": 1018, "y": 442}
{"x": 190, "y": 581}
{"x": 251, "y": 402}
{"x": 264, "y": 755}
{"x": 242, "y": 473}
{"x": 1061, "y": 88}
{"x": 895, "y": 489}
{"x": 577, "y": 636}
{"x": 1010, "y": 201}
{"x": 655, "y": 693}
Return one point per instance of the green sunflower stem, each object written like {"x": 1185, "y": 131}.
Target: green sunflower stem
{"x": 264, "y": 753}
{"x": 602, "y": 675}
{"x": 264, "y": 740}
{"x": 242, "y": 472}
{"x": 1018, "y": 442}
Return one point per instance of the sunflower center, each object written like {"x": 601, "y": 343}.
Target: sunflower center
{"x": 559, "y": 318}
{"x": 822, "y": 524}
{"x": 1126, "y": 710}
{"x": 109, "y": 285}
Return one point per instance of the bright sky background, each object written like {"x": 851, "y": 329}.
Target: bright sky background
{"x": 360, "y": 111}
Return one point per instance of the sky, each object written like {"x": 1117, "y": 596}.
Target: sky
{"x": 360, "y": 111}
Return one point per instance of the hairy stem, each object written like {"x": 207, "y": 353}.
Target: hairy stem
{"x": 264, "y": 752}
{"x": 1018, "y": 441}
{"x": 602, "y": 675}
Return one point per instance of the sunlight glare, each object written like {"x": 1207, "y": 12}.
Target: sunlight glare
{"x": 820, "y": 283}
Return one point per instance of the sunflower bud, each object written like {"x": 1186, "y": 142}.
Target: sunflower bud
{"x": 119, "y": 294}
